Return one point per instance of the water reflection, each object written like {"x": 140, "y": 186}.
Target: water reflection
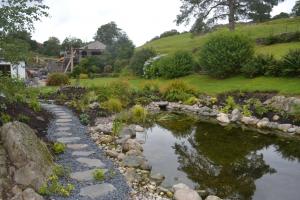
{"x": 230, "y": 163}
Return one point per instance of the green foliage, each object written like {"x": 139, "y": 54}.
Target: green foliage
{"x": 84, "y": 119}
{"x": 169, "y": 33}
{"x": 99, "y": 174}
{"x": 5, "y": 118}
{"x": 139, "y": 58}
{"x": 83, "y": 76}
{"x": 59, "y": 148}
{"x": 71, "y": 42}
{"x": 23, "y": 118}
{"x": 296, "y": 112}
{"x": 113, "y": 105}
{"x": 246, "y": 110}
{"x": 34, "y": 105}
{"x": 51, "y": 47}
{"x": 178, "y": 91}
{"x": 230, "y": 105}
{"x": 191, "y": 101}
{"x": 260, "y": 109}
{"x": 296, "y": 9}
{"x": 139, "y": 114}
{"x": 281, "y": 15}
{"x": 117, "y": 126}
{"x": 281, "y": 38}
{"x": 261, "y": 65}
{"x": 58, "y": 79}
{"x": 291, "y": 63}
{"x": 120, "y": 64}
{"x": 177, "y": 65}
{"x": 224, "y": 54}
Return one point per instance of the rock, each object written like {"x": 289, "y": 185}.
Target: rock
{"x": 84, "y": 175}
{"x": 297, "y": 130}
{"x": 77, "y": 146}
{"x": 223, "y": 118}
{"x": 16, "y": 190}
{"x": 131, "y": 175}
{"x": 263, "y": 123}
{"x": 206, "y": 111}
{"x": 105, "y": 128}
{"x": 145, "y": 165}
{"x": 180, "y": 186}
{"x": 249, "y": 120}
{"x": 283, "y": 103}
{"x": 131, "y": 144}
{"x": 105, "y": 139}
{"x": 139, "y": 128}
{"x": 112, "y": 153}
{"x": 276, "y": 118}
{"x": 67, "y": 140}
{"x": 163, "y": 105}
{"x": 133, "y": 161}
{"x": 284, "y": 127}
{"x": 121, "y": 156}
{"x": 29, "y": 155}
{"x": 91, "y": 162}
{"x": 157, "y": 178}
{"x": 130, "y": 131}
{"x": 236, "y": 115}
{"x": 211, "y": 197}
{"x": 30, "y": 194}
{"x": 82, "y": 153}
{"x": 17, "y": 197}
{"x": 123, "y": 139}
{"x": 94, "y": 105}
{"x": 134, "y": 152}
{"x": 272, "y": 125}
{"x": 291, "y": 130}
{"x": 97, "y": 191}
{"x": 186, "y": 194}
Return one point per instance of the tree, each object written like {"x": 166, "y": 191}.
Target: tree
{"x": 210, "y": 11}
{"x": 296, "y": 9}
{"x": 18, "y": 15}
{"x": 281, "y": 15}
{"x": 260, "y": 11}
{"x": 51, "y": 47}
{"x": 108, "y": 33}
{"x": 71, "y": 42}
{"x": 123, "y": 48}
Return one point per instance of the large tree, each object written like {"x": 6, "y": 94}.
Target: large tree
{"x": 18, "y": 15}
{"x": 108, "y": 33}
{"x": 296, "y": 9}
{"x": 210, "y": 11}
{"x": 71, "y": 42}
{"x": 51, "y": 47}
{"x": 123, "y": 48}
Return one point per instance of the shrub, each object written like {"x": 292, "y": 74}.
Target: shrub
{"x": 99, "y": 174}
{"x": 139, "y": 58}
{"x": 230, "y": 105}
{"x": 112, "y": 105}
{"x": 139, "y": 113}
{"x": 224, "y": 54}
{"x": 83, "y": 76}
{"x": 260, "y": 65}
{"x": 84, "y": 119}
{"x": 281, "y": 38}
{"x": 191, "y": 101}
{"x": 169, "y": 33}
{"x": 5, "y": 118}
{"x": 120, "y": 64}
{"x": 23, "y": 118}
{"x": 117, "y": 126}
{"x": 58, "y": 79}
{"x": 178, "y": 91}
{"x": 108, "y": 69}
{"x": 291, "y": 63}
{"x": 59, "y": 148}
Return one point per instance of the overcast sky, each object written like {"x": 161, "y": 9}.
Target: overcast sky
{"x": 140, "y": 19}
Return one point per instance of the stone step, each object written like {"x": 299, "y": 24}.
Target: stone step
{"x": 97, "y": 191}
{"x": 63, "y": 124}
{"x": 82, "y": 153}
{"x": 63, "y": 134}
{"x": 91, "y": 162}
{"x": 67, "y": 140}
{"x": 77, "y": 146}
{"x": 84, "y": 175}
{"x": 63, "y": 120}
{"x": 63, "y": 128}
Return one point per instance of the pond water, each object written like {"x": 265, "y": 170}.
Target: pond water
{"x": 228, "y": 162}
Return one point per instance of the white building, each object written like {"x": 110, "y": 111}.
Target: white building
{"x": 14, "y": 70}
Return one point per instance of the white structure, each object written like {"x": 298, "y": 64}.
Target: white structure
{"x": 15, "y": 70}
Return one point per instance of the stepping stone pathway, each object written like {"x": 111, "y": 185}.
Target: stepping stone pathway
{"x": 83, "y": 157}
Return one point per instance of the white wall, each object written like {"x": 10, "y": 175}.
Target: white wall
{"x": 17, "y": 70}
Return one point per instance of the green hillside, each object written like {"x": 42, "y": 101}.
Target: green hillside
{"x": 188, "y": 42}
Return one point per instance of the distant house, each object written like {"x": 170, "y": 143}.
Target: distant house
{"x": 95, "y": 48}
{"x": 13, "y": 70}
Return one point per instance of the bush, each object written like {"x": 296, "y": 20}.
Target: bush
{"x": 139, "y": 113}
{"x": 84, "y": 119}
{"x": 99, "y": 174}
{"x": 291, "y": 63}
{"x": 260, "y": 65}
{"x": 139, "y": 58}
{"x": 191, "y": 101}
{"x": 112, "y": 105}
{"x": 178, "y": 91}
{"x": 58, "y": 79}
{"x": 281, "y": 38}
{"x": 120, "y": 64}
{"x": 169, "y": 33}
{"x": 177, "y": 65}
{"x": 83, "y": 76}
{"x": 224, "y": 54}
{"x": 59, "y": 148}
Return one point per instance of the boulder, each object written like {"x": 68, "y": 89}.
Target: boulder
{"x": 236, "y": 115}
{"x": 180, "y": 186}
{"x": 272, "y": 125}
{"x": 283, "y": 103}
{"x": 276, "y": 117}
{"x": 28, "y": 154}
{"x": 30, "y": 194}
{"x": 134, "y": 152}
{"x": 284, "y": 127}
{"x": 157, "y": 178}
{"x": 223, "y": 118}
{"x": 186, "y": 194}
{"x": 121, "y": 156}
{"x": 206, "y": 111}
{"x": 105, "y": 139}
{"x": 105, "y": 128}
{"x": 163, "y": 105}
{"x": 133, "y": 161}
{"x": 131, "y": 144}
{"x": 249, "y": 120}
{"x": 94, "y": 105}
{"x": 112, "y": 153}
{"x": 297, "y": 130}
{"x": 139, "y": 128}
{"x": 263, "y": 123}
{"x": 145, "y": 165}
{"x": 211, "y": 197}
{"x": 128, "y": 131}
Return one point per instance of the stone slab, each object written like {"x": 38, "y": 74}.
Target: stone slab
{"x": 83, "y": 153}
{"x": 67, "y": 140}
{"x": 64, "y": 117}
{"x": 77, "y": 146}
{"x": 97, "y": 191}
{"x": 63, "y": 124}
{"x": 63, "y": 128}
{"x": 91, "y": 162}
{"x": 63, "y": 120}
{"x": 84, "y": 175}
{"x": 63, "y": 134}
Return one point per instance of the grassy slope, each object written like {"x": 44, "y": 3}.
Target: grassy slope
{"x": 189, "y": 43}
{"x": 212, "y": 86}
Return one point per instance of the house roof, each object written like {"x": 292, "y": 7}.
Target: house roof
{"x": 95, "y": 45}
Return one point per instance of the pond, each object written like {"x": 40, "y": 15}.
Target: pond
{"x": 228, "y": 162}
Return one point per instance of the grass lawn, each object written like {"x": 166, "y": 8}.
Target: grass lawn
{"x": 205, "y": 84}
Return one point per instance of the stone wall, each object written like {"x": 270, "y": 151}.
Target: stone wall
{"x": 4, "y": 177}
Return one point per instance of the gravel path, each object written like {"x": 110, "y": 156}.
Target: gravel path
{"x": 83, "y": 156}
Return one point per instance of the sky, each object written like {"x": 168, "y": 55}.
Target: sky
{"x": 140, "y": 19}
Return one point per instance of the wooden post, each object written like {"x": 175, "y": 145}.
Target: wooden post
{"x": 72, "y": 59}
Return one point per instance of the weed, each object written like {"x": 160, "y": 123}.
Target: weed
{"x": 139, "y": 113}
{"x": 99, "y": 174}
{"x": 59, "y": 148}
{"x": 84, "y": 119}
{"x": 191, "y": 101}
{"x": 113, "y": 105}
